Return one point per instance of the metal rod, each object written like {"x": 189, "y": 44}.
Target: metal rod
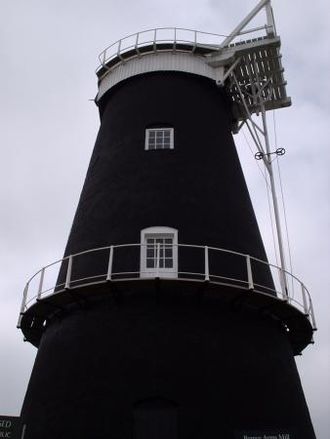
{"x": 254, "y": 29}
{"x": 42, "y": 274}
{"x": 243, "y": 23}
{"x": 25, "y": 291}
{"x": 206, "y": 263}
{"x": 195, "y": 41}
{"x": 109, "y": 273}
{"x": 157, "y": 259}
{"x": 174, "y": 42}
{"x": 268, "y": 162}
{"x": 23, "y": 431}
{"x": 258, "y": 142}
{"x": 303, "y": 292}
{"x": 68, "y": 273}
{"x": 137, "y": 44}
{"x": 312, "y": 315}
{"x": 24, "y": 297}
{"x": 228, "y": 72}
{"x": 155, "y": 39}
{"x": 255, "y": 139}
{"x": 249, "y": 272}
{"x": 271, "y": 28}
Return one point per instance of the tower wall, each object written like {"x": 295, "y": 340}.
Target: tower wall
{"x": 176, "y": 355}
{"x": 197, "y": 188}
{"x": 227, "y": 372}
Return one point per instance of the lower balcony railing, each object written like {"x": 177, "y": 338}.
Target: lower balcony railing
{"x": 174, "y": 261}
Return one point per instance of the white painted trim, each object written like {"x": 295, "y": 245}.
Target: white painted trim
{"x": 161, "y": 231}
{"x": 160, "y": 61}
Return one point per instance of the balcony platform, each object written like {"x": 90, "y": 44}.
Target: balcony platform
{"x": 296, "y": 324}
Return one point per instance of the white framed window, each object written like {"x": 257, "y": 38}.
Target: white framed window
{"x": 159, "y": 252}
{"x": 159, "y": 138}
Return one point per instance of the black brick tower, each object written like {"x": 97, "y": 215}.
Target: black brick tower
{"x": 167, "y": 324}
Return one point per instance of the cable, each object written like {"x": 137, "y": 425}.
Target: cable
{"x": 271, "y": 216}
{"x": 285, "y": 221}
{"x": 259, "y": 167}
{"x": 270, "y": 211}
{"x": 274, "y": 128}
{"x": 283, "y": 203}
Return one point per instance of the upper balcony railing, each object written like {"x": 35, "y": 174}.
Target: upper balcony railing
{"x": 189, "y": 263}
{"x": 175, "y": 38}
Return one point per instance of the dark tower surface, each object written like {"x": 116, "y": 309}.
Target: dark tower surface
{"x": 176, "y": 341}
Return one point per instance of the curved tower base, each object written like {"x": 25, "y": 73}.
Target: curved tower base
{"x": 153, "y": 363}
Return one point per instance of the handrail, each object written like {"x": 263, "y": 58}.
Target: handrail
{"x": 170, "y": 35}
{"x": 209, "y": 270}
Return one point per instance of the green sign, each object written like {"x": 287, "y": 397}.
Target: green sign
{"x": 10, "y": 427}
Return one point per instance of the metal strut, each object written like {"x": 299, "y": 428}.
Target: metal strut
{"x": 257, "y": 93}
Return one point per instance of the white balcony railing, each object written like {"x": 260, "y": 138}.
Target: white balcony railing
{"x": 174, "y": 37}
{"x": 195, "y": 263}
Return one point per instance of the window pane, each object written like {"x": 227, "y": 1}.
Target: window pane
{"x": 168, "y": 253}
{"x": 168, "y": 263}
{"x": 150, "y": 253}
{"x": 150, "y": 263}
{"x": 161, "y": 138}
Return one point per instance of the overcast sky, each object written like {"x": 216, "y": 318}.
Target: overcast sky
{"x": 49, "y": 53}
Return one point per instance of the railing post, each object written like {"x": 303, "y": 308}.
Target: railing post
{"x": 68, "y": 273}
{"x": 109, "y": 273}
{"x": 157, "y": 259}
{"x": 195, "y": 41}
{"x": 25, "y": 291}
{"x": 155, "y": 39}
{"x": 42, "y": 274}
{"x": 306, "y": 310}
{"x": 249, "y": 272}
{"x": 137, "y": 44}
{"x": 119, "y": 48}
{"x": 24, "y": 297}
{"x": 283, "y": 284}
{"x": 206, "y": 263}
{"x": 312, "y": 315}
